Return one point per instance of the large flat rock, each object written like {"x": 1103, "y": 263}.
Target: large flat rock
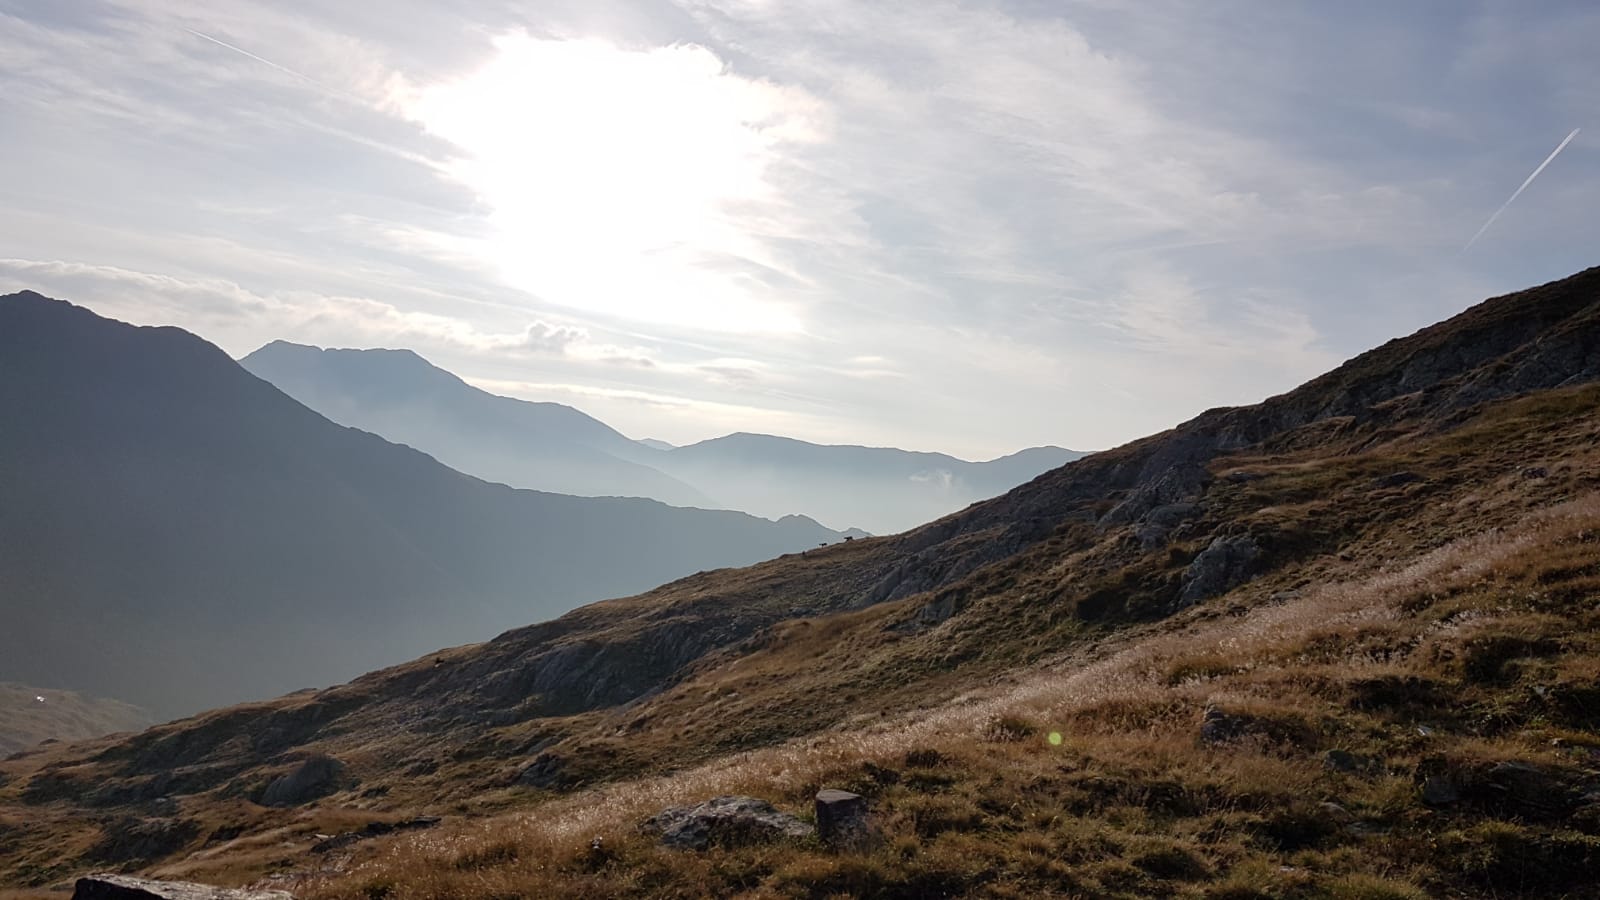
{"x": 127, "y": 887}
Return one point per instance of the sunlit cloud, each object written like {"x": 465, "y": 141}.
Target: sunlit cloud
{"x": 952, "y": 225}
{"x": 616, "y": 180}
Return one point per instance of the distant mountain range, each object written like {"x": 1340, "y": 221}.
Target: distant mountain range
{"x": 401, "y": 396}
{"x": 881, "y": 489}
{"x": 548, "y": 446}
{"x": 165, "y": 513}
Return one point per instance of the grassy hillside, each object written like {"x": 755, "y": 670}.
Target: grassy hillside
{"x": 1339, "y": 644}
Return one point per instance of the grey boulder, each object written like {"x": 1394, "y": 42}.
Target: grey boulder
{"x": 319, "y": 776}
{"x": 725, "y": 821}
{"x": 1224, "y": 565}
{"x": 842, "y": 821}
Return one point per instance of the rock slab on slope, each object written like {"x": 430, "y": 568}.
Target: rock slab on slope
{"x": 842, "y": 819}
{"x": 1224, "y": 565}
{"x": 127, "y": 887}
{"x": 318, "y": 776}
{"x": 724, "y": 821}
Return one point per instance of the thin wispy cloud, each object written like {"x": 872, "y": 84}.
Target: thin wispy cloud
{"x": 964, "y": 226}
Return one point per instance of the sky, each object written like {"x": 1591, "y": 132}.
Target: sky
{"x": 966, "y": 227}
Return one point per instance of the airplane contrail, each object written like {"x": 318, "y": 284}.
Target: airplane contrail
{"x": 267, "y": 62}
{"x": 1518, "y": 192}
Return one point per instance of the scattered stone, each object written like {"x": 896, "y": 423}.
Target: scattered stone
{"x": 224, "y": 834}
{"x": 318, "y": 776}
{"x": 127, "y": 887}
{"x": 1527, "y": 791}
{"x": 1353, "y": 763}
{"x": 1224, "y": 565}
{"x": 724, "y": 821}
{"x": 842, "y": 820}
{"x": 372, "y": 830}
{"x": 1218, "y": 727}
{"x": 546, "y": 771}
{"x": 1440, "y": 790}
{"x": 1336, "y": 814}
{"x": 1396, "y": 479}
{"x": 1534, "y": 472}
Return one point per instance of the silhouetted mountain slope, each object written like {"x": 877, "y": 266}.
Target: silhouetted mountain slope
{"x": 179, "y": 533}
{"x": 548, "y": 446}
{"x": 402, "y": 397}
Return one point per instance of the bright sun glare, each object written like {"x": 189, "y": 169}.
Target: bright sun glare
{"x": 618, "y": 178}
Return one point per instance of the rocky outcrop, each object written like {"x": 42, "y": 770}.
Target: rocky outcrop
{"x": 1227, "y": 563}
{"x": 127, "y": 887}
{"x": 547, "y": 771}
{"x": 724, "y": 821}
{"x": 142, "y": 838}
{"x": 1157, "y": 527}
{"x": 319, "y": 776}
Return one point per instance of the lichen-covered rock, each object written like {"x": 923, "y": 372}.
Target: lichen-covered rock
{"x": 1352, "y": 763}
{"x": 546, "y": 771}
{"x": 1227, "y": 563}
{"x": 1157, "y": 525}
{"x": 127, "y": 887}
{"x": 725, "y": 821}
{"x": 319, "y": 776}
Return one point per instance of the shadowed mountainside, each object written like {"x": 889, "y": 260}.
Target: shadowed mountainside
{"x": 179, "y": 533}
{"x": 1394, "y": 562}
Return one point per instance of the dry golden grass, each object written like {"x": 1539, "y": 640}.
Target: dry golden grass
{"x": 1463, "y": 603}
{"x": 1128, "y": 803}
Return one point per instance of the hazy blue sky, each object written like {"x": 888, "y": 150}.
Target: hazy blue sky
{"x": 959, "y": 226}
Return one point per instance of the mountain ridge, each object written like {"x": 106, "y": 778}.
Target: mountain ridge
{"x": 401, "y": 396}
{"x": 161, "y": 500}
{"x": 551, "y": 446}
